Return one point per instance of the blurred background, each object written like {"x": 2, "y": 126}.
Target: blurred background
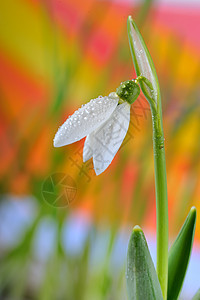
{"x": 64, "y": 231}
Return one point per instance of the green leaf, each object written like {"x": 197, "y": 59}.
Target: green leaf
{"x": 197, "y": 295}
{"x": 141, "y": 277}
{"x": 179, "y": 256}
{"x": 143, "y": 63}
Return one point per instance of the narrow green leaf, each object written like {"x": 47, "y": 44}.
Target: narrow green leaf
{"x": 197, "y": 295}
{"x": 141, "y": 277}
{"x": 179, "y": 256}
{"x": 143, "y": 63}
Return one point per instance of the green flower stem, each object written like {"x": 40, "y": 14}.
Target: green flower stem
{"x": 161, "y": 200}
{"x": 160, "y": 186}
{"x": 148, "y": 80}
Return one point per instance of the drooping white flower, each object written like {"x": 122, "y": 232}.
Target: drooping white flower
{"x": 103, "y": 143}
{"x": 104, "y": 122}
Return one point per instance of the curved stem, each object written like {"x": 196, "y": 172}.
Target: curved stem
{"x": 161, "y": 200}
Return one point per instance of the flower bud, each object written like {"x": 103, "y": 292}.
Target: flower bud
{"x": 128, "y": 91}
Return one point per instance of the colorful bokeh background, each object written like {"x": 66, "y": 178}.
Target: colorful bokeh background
{"x": 55, "y": 55}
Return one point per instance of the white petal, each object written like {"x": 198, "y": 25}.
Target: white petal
{"x": 88, "y": 150}
{"x": 107, "y": 139}
{"x": 86, "y": 119}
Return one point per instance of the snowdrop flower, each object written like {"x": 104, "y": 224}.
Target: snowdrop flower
{"x": 104, "y": 121}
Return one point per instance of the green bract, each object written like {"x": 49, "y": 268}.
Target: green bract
{"x": 143, "y": 64}
{"x": 142, "y": 280}
{"x": 128, "y": 91}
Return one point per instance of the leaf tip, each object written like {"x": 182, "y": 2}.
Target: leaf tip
{"x": 137, "y": 229}
{"x": 131, "y": 24}
{"x": 192, "y": 215}
{"x": 129, "y": 19}
{"x": 193, "y": 210}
